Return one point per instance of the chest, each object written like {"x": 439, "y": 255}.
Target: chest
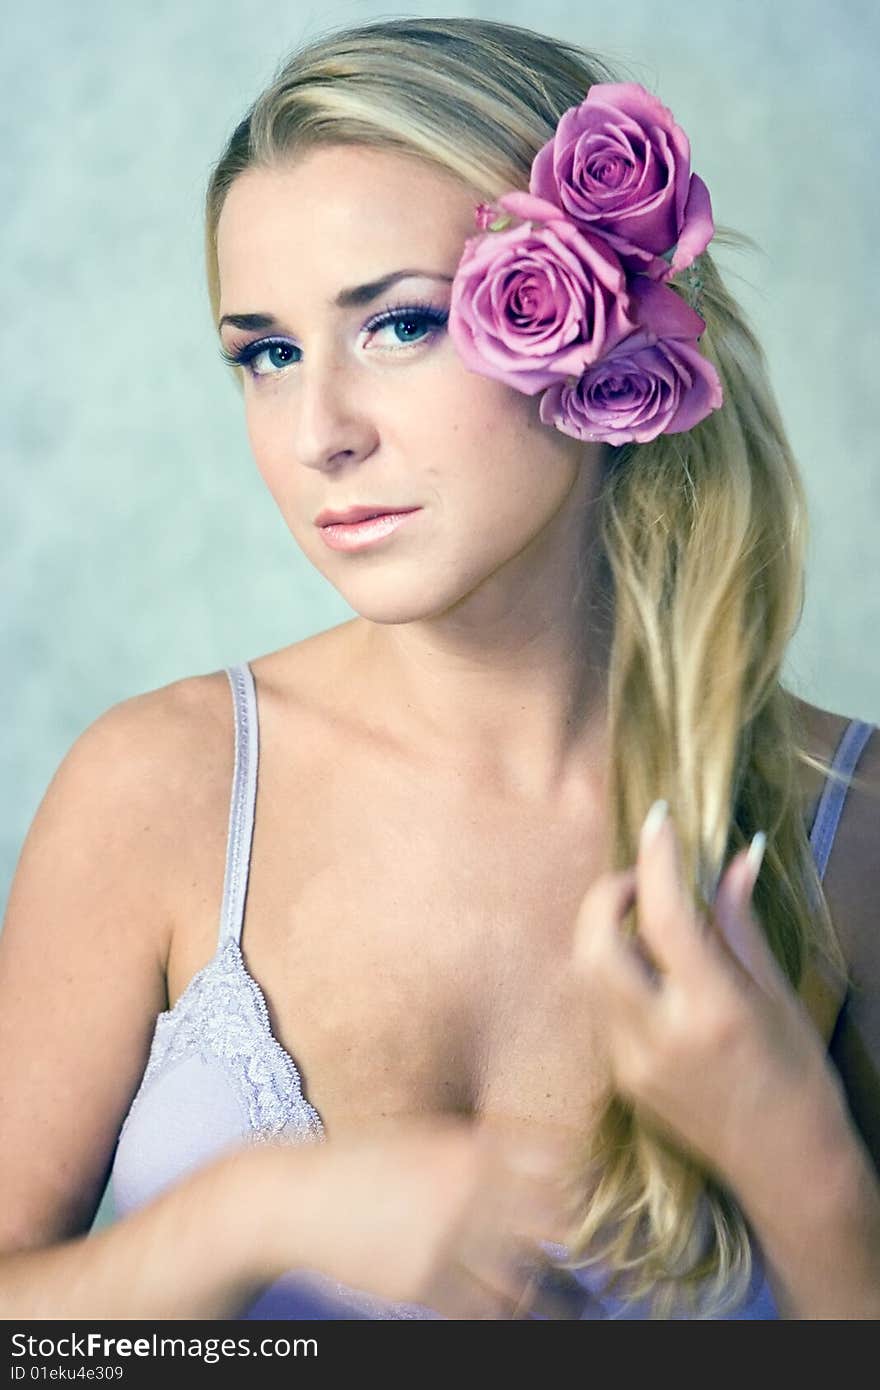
{"x": 413, "y": 945}
{"x": 412, "y": 938}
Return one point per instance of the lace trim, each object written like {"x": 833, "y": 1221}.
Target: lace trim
{"x": 222, "y": 1014}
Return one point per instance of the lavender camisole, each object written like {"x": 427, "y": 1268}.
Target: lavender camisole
{"x": 217, "y": 1078}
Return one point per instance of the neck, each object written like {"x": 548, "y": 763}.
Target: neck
{"x": 509, "y": 687}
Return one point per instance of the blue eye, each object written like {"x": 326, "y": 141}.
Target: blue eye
{"x": 417, "y": 316}
{"x": 245, "y": 356}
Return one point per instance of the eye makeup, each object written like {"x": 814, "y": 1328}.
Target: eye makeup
{"x": 422, "y": 314}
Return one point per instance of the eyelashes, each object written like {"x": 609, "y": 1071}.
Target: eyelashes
{"x": 421, "y": 314}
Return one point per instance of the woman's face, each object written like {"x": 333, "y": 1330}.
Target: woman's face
{"x": 342, "y": 411}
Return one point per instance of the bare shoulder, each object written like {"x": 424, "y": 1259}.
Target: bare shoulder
{"x": 852, "y": 888}
{"x": 859, "y": 825}
{"x": 83, "y": 948}
{"x": 822, "y": 990}
{"x": 130, "y": 830}
{"x": 822, "y": 730}
{"x": 124, "y": 773}
{"x": 852, "y": 877}
{"x": 149, "y": 763}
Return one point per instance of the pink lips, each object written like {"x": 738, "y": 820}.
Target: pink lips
{"x": 356, "y": 535}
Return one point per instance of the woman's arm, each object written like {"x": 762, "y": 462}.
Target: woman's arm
{"x": 707, "y": 1037}
{"x": 820, "y": 1230}
{"x": 445, "y": 1203}
{"x": 812, "y": 1200}
{"x": 195, "y": 1251}
{"x": 82, "y": 978}
{"x": 852, "y": 887}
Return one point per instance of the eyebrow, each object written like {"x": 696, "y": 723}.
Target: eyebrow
{"x": 355, "y": 296}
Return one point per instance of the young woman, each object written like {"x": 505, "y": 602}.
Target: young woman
{"x": 494, "y": 1036}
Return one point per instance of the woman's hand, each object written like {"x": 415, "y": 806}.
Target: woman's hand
{"x": 437, "y": 1210}
{"x": 705, "y": 1035}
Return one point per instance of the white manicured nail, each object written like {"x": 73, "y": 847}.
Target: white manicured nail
{"x": 653, "y": 820}
{"x": 756, "y": 855}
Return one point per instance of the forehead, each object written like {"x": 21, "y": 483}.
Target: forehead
{"x": 338, "y": 214}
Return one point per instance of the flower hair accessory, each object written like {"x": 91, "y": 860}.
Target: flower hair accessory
{"x": 564, "y": 291}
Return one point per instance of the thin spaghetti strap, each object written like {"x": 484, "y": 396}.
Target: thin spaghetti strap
{"x": 828, "y": 811}
{"x": 242, "y": 802}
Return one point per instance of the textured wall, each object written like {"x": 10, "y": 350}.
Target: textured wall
{"x": 139, "y": 544}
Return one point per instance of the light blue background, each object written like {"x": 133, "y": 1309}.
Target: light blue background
{"x": 139, "y": 544}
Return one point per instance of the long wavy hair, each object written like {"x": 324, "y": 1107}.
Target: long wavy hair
{"x": 703, "y": 537}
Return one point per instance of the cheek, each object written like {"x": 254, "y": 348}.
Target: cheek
{"x": 504, "y": 456}
{"x": 268, "y": 452}
{"x": 500, "y": 421}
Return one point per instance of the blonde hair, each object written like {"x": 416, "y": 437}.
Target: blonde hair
{"x": 704, "y": 536}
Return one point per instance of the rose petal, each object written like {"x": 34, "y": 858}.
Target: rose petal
{"x": 619, "y": 165}
{"x": 636, "y": 396}
{"x": 698, "y": 229}
{"x": 538, "y": 302}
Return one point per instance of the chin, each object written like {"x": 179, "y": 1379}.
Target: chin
{"x": 396, "y": 598}
{"x": 392, "y": 612}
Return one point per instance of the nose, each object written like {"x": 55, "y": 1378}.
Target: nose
{"x": 333, "y": 424}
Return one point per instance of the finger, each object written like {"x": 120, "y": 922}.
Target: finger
{"x": 552, "y": 1290}
{"x": 533, "y": 1204}
{"x": 516, "y": 1216}
{"x": 535, "y": 1187}
{"x": 618, "y": 971}
{"x": 669, "y": 923}
{"x": 513, "y": 1278}
{"x": 727, "y": 909}
{"x": 601, "y": 914}
{"x": 465, "y": 1294}
{"x": 544, "y": 1211}
{"x": 739, "y": 928}
{"x": 496, "y": 1274}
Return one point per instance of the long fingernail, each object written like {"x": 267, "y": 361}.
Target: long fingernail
{"x": 653, "y": 821}
{"x": 756, "y": 855}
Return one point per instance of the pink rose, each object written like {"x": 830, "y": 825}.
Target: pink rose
{"x": 537, "y": 302}
{"x": 657, "y": 390}
{"x": 619, "y": 165}
{"x": 654, "y": 382}
{"x": 659, "y": 313}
